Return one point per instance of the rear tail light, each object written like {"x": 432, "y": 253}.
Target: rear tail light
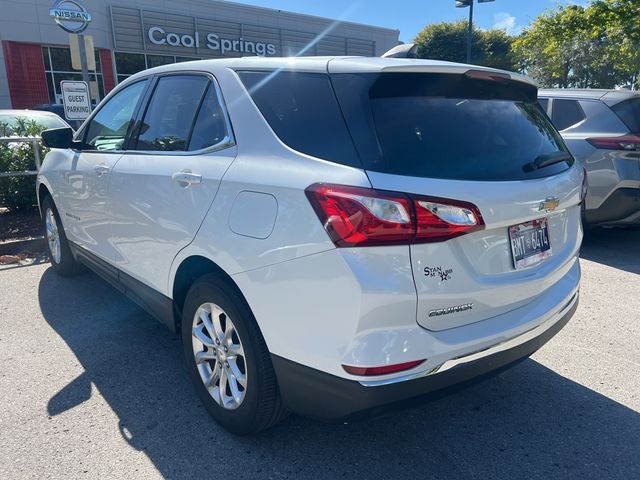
{"x": 625, "y": 142}
{"x": 384, "y": 370}
{"x": 439, "y": 221}
{"x": 356, "y": 216}
{"x": 360, "y": 216}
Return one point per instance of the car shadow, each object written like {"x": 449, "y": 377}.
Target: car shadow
{"x": 615, "y": 247}
{"x": 528, "y": 422}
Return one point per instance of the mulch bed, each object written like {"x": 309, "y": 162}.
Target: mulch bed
{"x": 19, "y": 225}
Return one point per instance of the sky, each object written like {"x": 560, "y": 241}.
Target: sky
{"x": 410, "y": 16}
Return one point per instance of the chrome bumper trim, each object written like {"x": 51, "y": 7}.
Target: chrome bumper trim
{"x": 479, "y": 354}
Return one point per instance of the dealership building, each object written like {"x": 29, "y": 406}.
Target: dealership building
{"x": 131, "y": 36}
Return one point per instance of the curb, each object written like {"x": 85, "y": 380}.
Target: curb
{"x": 36, "y": 244}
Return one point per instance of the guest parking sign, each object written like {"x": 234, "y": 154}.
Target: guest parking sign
{"x": 76, "y": 100}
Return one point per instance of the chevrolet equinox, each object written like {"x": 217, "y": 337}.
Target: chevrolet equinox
{"x": 329, "y": 236}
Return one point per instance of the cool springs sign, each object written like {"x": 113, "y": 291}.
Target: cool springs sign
{"x": 159, "y": 36}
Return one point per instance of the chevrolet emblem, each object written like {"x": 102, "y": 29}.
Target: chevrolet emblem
{"x": 549, "y": 204}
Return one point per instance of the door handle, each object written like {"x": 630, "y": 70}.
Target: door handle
{"x": 186, "y": 178}
{"x": 101, "y": 169}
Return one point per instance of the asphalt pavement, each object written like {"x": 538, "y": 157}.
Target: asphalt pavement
{"x": 93, "y": 387}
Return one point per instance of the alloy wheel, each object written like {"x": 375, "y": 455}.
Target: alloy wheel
{"x": 219, "y": 355}
{"x": 53, "y": 235}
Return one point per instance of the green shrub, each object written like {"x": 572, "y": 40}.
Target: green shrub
{"x": 19, "y": 193}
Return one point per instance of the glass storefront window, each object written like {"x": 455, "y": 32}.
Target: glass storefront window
{"x": 59, "y": 77}
{"x": 46, "y": 58}
{"x": 50, "y": 87}
{"x": 157, "y": 60}
{"x": 129, "y": 63}
{"x": 57, "y": 67}
{"x": 98, "y": 61}
{"x": 60, "y": 59}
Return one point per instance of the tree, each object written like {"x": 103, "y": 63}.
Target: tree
{"x": 620, "y": 20}
{"x": 497, "y": 51}
{"x": 574, "y": 46}
{"x": 19, "y": 193}
{"x": 448, "y": 41}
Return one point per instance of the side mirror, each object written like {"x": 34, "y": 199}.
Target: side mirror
{"x": 58, "y": 137}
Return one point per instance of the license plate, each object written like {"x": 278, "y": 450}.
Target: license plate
{"x": 529, "y": 243}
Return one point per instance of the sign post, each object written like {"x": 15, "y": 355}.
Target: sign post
{"x": 82, "y": 57}
{"x": 465, "y": 4}
{"x": 76, "y": 99}
{"x": 72, "y": 17}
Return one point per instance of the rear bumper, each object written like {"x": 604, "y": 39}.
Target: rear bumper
{"x": 621, "y": 207}
{"x": 320, "y": 395}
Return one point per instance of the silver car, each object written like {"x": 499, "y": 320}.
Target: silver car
{"x": 602, "y": 130}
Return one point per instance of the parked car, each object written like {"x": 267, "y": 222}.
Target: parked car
{"x": 602, "y": 130}
{"x": 45, "y": 119}
{"x": 330, "y": 236}
{"x": 58, "y": 109}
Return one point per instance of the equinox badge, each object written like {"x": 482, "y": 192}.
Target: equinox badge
{"x": 447, "y": 310}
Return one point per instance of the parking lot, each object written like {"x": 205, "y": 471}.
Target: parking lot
{"x": 92, "y": 387}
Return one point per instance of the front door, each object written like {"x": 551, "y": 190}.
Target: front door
{"x": 86, "y": 196}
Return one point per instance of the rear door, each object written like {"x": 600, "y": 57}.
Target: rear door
{"x": 484, "y": 141}
{"x": 164, "y": 184}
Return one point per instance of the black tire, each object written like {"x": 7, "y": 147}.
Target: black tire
{"x": 262, "y": 405}
{"x": 67, "y": 265}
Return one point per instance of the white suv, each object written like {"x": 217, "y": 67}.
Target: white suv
{"x": 329, "y": 235}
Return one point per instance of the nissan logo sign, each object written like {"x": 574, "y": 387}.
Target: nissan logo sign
{"x": 70, "y": 15}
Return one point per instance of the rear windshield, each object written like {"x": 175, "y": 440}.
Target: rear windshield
{"x": 447, "y": 126}
{"x": 423, "y": 125}
{"x": 45, "y": 121}
{"x": 629, "y": 112}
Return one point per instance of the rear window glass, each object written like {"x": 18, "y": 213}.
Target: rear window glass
{"x": 302, "y": 110}
{"x": 447, "y": 126}
{"x": 211, "y": 124}
{"x": 45, "y": 121}
{"x": 566, "y": 113}
{"x": 544, "y": 103}
{"x": 629, "y": 112}
{"x": 171, "y": 113}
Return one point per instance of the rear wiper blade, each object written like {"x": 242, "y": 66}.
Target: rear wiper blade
{"x": 547, "y": 159}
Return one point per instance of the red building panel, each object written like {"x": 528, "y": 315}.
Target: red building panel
{"x": 25, "y": 74}
{"x": 108, "y": 76}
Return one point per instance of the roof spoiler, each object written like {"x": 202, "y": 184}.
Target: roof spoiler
{"x": 405, "y": 50}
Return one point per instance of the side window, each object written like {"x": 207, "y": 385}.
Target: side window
{"x": 629, "y": 112}
{"x": 171, "y": 112}
{"x": 108, "y": 128}
{"x": 566, "y": 114}
{"x": 211, "y": 125}
{"x": 544, "y": 103}
{"x": 303, "y": 111}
